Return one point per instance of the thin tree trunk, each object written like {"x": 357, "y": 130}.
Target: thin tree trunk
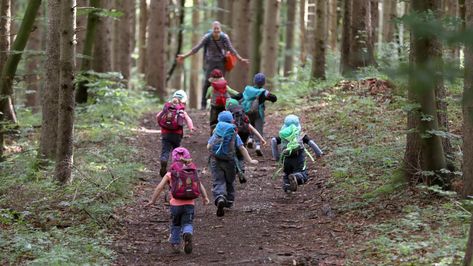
{"x": 9, "y": 69}
{"x": 389, "y": 15}
{"x": 50, "y": 93}
{"x": 333, "y": 24}
{"x": 310, "y": 29}
{"x": 33, "y": 64}
{"x": 221, "y": 12}
{"x": 303, "y": 32}
{"x": 318, "y": 66}
{"x": 257, "y": 17}
{"x": 143, "y": 20}
{"x": 81, "y": 26}
{"x": 345, "y": 67}
{"x": 196, "y": 62}
{"x": 468, "y": 260}
{"x": 270, "y": 40}
{"x": 122, "y": 31}
{"x": 228, "y": 17}
{"x": 86, "y": 64}
{"x": 239, "y": 75}
{"x": 374, "y": 21}
{"x": 5, "y": 20}
{"x": 102, "y": 61}
{"x": 361, "y": 44}
{"x": 177, "y": 81}
{"x": 468, "y": 118}
{"x": 290, "y": 26}
{"x": 157, "y": 31}
{"x": 64, "y": 150}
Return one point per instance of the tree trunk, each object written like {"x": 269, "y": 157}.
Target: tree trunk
{"x": 345, "y": 67}
{"x": 143, "y": 20}
{"x": 11, "y": 64}
{"x": 318, "y": 65}
{"x": 361, "y": 42}
{"x": 332, "y": 24}
{"x": 239, "y": 75}
{"x": 468, "y": 260}
{"x": 221, "y": 12}
{"x": 433, "y": 158}
{"x": 310, "y": 29}
{"x": 290, "y": 27}
{"x": 177, "y": 82}
{"x": 64, "y": 152}
{"x": 270, "y": 40}
{"x": 102, "y": 61}
{"x": 50, "y": 93}
{"x": 374, "y": 21}
{"x": 5, "y": 20}
{"x": 81, "y": 26}
{"x": 389, "y": 15}
{"x": 257, "y": 17}
{"x": 88, "y": 47}
{"x": 228, "y": 17}
{"x": 33, "y": 64}
{"x": 196, "y": 62}
{"x": 122, "y": 33}
{"x": 157, "y": 31}
{"x": 468, "y": 115}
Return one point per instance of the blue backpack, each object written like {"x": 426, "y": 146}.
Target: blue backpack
{"x": 222, "y": 145}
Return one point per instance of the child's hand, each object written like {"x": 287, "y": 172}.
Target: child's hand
{"x": 205, "y": 200}
{"x": 264, "y": 142}
{"x": 254, "y": 161}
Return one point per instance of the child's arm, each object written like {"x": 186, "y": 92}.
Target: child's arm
{"x": 189, "y": 123}
{"x": 157, "y": 116}
{"x": 315, "y": 148}
{"x": 231, "y": 91}
{"x": 255, "y": 131}
{"x": 208, "y": 95}
{"x": 246, "y": 155}
{"x": 270, "y": 97}
{"x": 205, "y": 198}
{"x": 274, "y": 148}
{"x": 158, "y": 190}
{"x": 238, "y": 97}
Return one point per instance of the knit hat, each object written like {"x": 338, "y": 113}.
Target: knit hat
{"x": 181, "y": 95}
{"x": 225, "y": 116}
{"x": 231, "y": 103}
{"x": 259, "y": 80}
{"x": 216, "y": 73}
{"x": 180, "y": 154}
{"x": 291, "y": 120}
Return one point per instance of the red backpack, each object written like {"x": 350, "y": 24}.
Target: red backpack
{"x": 240, "y": 119}
{"x": 185, "y": 182}
{"x": 220, "y": 95}
{"x": 172, "y": 116}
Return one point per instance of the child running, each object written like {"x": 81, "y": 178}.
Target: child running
{"x": 253, "y": 98}
{"x": 244, "y": 129}
{"x": 222, "y": 145}
{"x": 171, "y": 120}
{"x": 185, "y": 188}
{"x": 292, "y": 154}
{"x": 218, "y": 93}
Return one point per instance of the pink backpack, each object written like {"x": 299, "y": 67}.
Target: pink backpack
{"x": 185, "y": 182}
{"x": 172, "y": 116}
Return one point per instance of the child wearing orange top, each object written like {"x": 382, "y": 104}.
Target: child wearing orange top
{"x": 182, "y": 207}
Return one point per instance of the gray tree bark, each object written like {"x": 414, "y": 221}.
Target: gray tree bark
{"x": 257, "y": 17}
{"x": 239, "y": 74}
{"x": 333, "y": 25}
{"x": 345, "y": 67}
{"x": 290, "y": 27}
{"x": 318, "y": 55}
{"x": 270, "y": 40}
{"x": 196, "y": 63}
{"x": 143, "y": 20}
{"x": 302, "y": 29}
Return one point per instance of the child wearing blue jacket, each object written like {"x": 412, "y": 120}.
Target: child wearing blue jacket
{"x": 252, "y": 100}
{"x": 292, "y": 153}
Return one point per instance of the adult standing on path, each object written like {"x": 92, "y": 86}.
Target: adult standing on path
{"x": 215, "y": 45}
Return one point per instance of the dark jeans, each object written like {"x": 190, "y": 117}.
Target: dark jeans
{"x": 209, "y": 66}
{"x": 295, "y": 165}
{"x": 214, "y": 111}
{"x": 182, "y": 219}
{"x": 223, "y": 173}
{"x": 258, "y": 123}
{"x": 169, "y": 141}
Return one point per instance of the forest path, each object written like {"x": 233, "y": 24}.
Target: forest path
{"x": 265, "y": 225}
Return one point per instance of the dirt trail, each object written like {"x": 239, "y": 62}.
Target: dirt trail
{"x": 265, "y": 225}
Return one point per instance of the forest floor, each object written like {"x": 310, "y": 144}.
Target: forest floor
{"x": 265, "y": 225}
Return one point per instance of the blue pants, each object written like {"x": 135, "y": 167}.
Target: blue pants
{"x": 258, "y": 123}
{"x": 169, "y": 141}
{"x": 182, "y": 218}
{"x": 295, "y": 165}
{"x": 223, "y": 173}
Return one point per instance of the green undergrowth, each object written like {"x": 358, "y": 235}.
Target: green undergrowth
{"x": 363, "y": 137}
{"x": 43, "y": 223}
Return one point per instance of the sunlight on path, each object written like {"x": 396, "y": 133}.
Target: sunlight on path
{"x": 147, "y": 131}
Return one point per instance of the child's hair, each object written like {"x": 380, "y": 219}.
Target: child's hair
{"x": 259, "y": 80}
{"x": 181, "y": 154}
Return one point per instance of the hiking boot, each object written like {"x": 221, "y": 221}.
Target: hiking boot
{"x": 258, "y": 150}
{"x": 249, "y": 143}
{"x": 187, "y": 243}
{"x": 163, "y": 170}
{"x": 292, "y": 182}
{"x": 220, "y": 206}
{"x": 241, "y": 178}
{"x": 176, "y": 248}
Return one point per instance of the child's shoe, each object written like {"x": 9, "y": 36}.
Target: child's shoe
{"x": 249, "y": 143}
{"x": 163, "y": 171}
{"x": 241, "y": 177}
{"x": 258, "y": 150}
{"x": 292, "y": 182}
{"x": 220, "y": 206}
{"x": 187, "y": 243}
{"x": 176, "y": 248}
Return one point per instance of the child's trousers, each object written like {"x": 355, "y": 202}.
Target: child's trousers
{"x": 169, "y": 141}
{"x": 182, "y": 219}
{"x": 223, "y": 173}
{"x": 295, "y": 165}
